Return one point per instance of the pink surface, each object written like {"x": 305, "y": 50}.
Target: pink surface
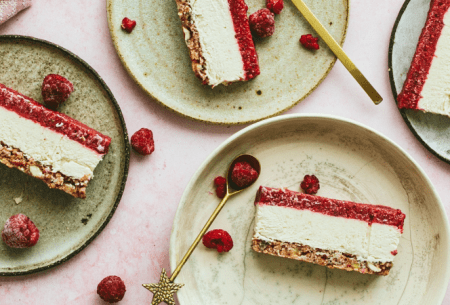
{"x": 135, "y": 244}
{"x": 9, "y": 8}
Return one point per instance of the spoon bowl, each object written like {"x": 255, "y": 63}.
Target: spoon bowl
{"x": 241, "y": 158}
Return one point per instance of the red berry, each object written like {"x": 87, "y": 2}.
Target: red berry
{"x": 128, "y": 24}
{"x": 309, "y": 42}
{"x": 276, "y": 6}
{"x": 221, "y": 190}
{"x": 20, "y": 232}
{"x": 243, "y": 174}
{"x": 142, "y": 141}
{"x": 219, "y": 180}
{"x": 395, "y": 252}
{"x": 55, "y": 90}
{"x": 310, "y": 184}
{"x": 218, "y": 239}
{"x": 262, "y": 22}
{"x": 111, "y": 289}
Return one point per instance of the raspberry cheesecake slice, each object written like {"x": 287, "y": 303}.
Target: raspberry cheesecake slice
{"x": 427, "y": 85}
{"x": 217, "y": 34}
{"x": 47, "y": 144}
{"x": 328, "y": 232}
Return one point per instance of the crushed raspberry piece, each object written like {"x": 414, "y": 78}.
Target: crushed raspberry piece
{"x": 20, "y": 232}
{"x": 111, "y": 289}
{"x": 243, "y": 174}
{"x": 55, "y": 90}
{"x": 128, "y": 24}
{"x": 142, "y": 141}
{"x": 310, "y": 42}
{"x": 276, "y": 6}
{"x": 395, "y": 252}
{"x": 218, "y": 239}
{"x": 262, "y": 22}
{"x": 221, "y": 190}
{"x": 219, "y": 180}
{"x": 310, "y": 184}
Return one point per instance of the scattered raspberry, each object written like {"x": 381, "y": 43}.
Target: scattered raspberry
{"x": 262, "y": 22}
{"x": 221, "y": 190}
{"x": 395, "y": 252}
{"x": 142, "y": 141}
{"x": 310, "y": 184}
{"x": 276, "y": 6}
{"x": 243, "y": 174}
{"x": 20, "y": 232}
{"x": 111, "y": 289}
{"x": 309, "y": 42}
{"x": 218, "y": 239}
{"x": 55, "y": 90}
{"x": 128, "y": 24}
{"x": 220, "y": 181}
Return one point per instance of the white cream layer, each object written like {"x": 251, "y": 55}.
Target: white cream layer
{"x": 217, "y": 39}
{"x": 369, "y": 243}
{"x": 46, "y": 146}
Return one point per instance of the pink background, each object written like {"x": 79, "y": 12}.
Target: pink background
{"x": 135, "y": 244}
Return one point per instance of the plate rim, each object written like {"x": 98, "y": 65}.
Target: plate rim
{"x": 299, "y": 116}
{"x": 18, "y": 38}
{"x": 114, "y": 38}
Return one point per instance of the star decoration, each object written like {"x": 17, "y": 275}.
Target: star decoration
{"x": 164, "y": 290}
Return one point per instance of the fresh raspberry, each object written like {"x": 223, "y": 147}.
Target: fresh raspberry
{"x": 219, "y": 180}
{"x": 309, "y": 42}
{"x": 262, "y": 22}
{"x": 111, "y": 289}
{"x": 221, "y": 190}
{"x": 276, "y": 6}
{"x": 20, "y": 232}
{"x": 243, "y": 174}
{"x": 142, "y": 141}
{"x": 128, "y": 24}
{"x": 310, "y": 184}
{"x": 218, "y": 239}
{"x": 55, "y": 90}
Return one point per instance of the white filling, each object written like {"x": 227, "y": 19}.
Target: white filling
{"x": 217, "y": 39}
{"x": 369, "y": 243}
{"x": 46, "y": 146}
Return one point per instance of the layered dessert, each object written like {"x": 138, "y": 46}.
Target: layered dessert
{"x": 427, "y": 85}
{"x": 218, "y": 37}
{"x": 47, "y": 144}
{"x": 333, "y": 233}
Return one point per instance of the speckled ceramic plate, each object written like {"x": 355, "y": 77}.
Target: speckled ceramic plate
{"x": 156, "y": 56}
{"x": 431, "y": 130}
{"x": 67, "y": 225}
{"x": 352, "y": 162}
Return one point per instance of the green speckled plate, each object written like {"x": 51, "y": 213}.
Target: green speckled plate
{"x": 352, "y": 162}
{"x": 67, "y": 225}
{"x": 156, "y": 56}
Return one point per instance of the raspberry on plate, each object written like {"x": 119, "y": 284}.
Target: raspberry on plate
{"x": 309, "y": 42}
{"x": 128, "y": 24}
{"x": 55, "y": 90}
{"x": 276, "y": 6}
{"x": 142, "y": 141}
{"x": 262, "y": 22}
{"x": 243, "y": 174}
{"x": 218, "y": 239}
{"x": 221, "y": 190}
{"x": 20, "y": 232}
{"x": 111, "y": 289}
{"x": 310, "y": 184}
{"x": 219, "y": 180}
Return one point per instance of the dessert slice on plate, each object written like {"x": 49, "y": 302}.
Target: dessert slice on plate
{"x": 328, "y": 232}
{"x": 47, "y": 144}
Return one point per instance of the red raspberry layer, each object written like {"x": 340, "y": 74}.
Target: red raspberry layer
{"x": 421, "y": 63}
{"x": 53, "y": 120}
{"x": 333, "y": 207}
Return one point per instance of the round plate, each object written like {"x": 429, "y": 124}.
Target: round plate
{"x": 353, "y": 163}
{"x": 156, "y": 56}
{"x": 432, "y": 130}
{"x": 66, "y": 224}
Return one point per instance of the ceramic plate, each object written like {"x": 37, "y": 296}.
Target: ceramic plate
{"x": 431, "y": 130}
{"x": 352, "y": 162}
{"x": 156, "y": 56}
{"x": 66, "y": 224}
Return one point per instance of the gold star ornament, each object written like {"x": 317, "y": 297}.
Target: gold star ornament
{"x": 164, "y": 290}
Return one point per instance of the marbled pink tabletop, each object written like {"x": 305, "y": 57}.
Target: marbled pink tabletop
{"x": 155, "y": 184}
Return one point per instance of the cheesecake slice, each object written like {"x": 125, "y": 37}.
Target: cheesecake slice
{"x": 427, "y": 85}
{"x": 217, "y": 34}
{"x": 328, "y": 232}
{"x": 47, "y": 144}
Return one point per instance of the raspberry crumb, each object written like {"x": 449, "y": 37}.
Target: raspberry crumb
{"x": 111, "y": 289}
{"x": 243, "y": 174}
{"x": 309, "y": 42}
{"x": 218, "y": 239}
{"x": 142, "y": 141}
{"x": 276, "y": 6}
{"x": 128, "y": 24}
{"x": 221, "y": 190}
{"x": 395, "y": 252}
{"x": 262, "y": 22}
{"x": 55, "y": 90}
{"x": 20, "y": 232}
{"x": 219, "y": 180}
{"x": 310, "y": 184}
